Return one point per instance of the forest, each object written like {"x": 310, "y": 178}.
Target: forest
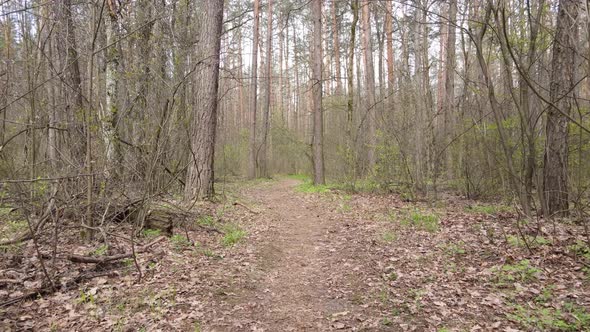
{"x": 295, "y": 165}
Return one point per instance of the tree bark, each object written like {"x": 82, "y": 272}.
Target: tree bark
{"x": 350, "y": 69}
{"x": 336, "y": 37}
{"x": 555, "y": 171}
{"x": 200, "y": 175}
{"x": 266, "y": 111}
{"x": 370, "y": 86}
{"x": 253, "y": 164}
{"x": 389, "y": 46}
{"x": 110, "y": 113}
{"x": 318, "y": 120}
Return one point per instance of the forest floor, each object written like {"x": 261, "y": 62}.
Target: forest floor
{"x": 287, "y": 259}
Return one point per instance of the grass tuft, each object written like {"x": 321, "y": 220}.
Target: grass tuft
{"x": 233, "y": 235}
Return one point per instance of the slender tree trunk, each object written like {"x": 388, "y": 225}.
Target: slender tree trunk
{"x": 555, "y": 171}
{"x": 253, "y": 164}
{"x": 450, "y": 83}
{"x": 266, "y": 111}
{"x": 318, "y": 120}
{"x": 350, "y": 69}
{"x": 336, "y": 36}
{"x": 68, "y": 59}
{"x": 110, "y": 113}
{"x": 370, "y": 86}
{"x": 389, "y": 40}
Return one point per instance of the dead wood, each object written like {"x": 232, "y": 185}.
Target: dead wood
{"x": 107, "y": 259}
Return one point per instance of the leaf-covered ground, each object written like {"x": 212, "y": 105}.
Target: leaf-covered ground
{"x": 286, "y": 260}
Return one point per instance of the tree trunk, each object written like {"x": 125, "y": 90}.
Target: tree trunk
{"x": 318, "y": 120}
{"x": 336, "y": 37}
{"x": 555, "y": 171}
{"x": 200, "y": 175}
{"x": 110, "y": 113}
{"x": 370, "y": 86}
{"x": 389, "y": 40}
{"x": 350, "y": 69}
{"x": 253, "y": 164}
{"x": 266, "y": 111}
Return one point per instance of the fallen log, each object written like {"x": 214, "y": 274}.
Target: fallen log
{"x": 107, "y": 259}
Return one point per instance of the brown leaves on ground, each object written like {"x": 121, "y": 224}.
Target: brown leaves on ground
{"x": 289, "y": 261}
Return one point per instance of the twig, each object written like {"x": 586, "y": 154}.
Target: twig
{"x": 246, "y": 207}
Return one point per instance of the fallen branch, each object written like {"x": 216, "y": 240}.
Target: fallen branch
{"x": 10, "y": 281}
{"x": 106, "y": 259}
{"x": 246, "y": 207}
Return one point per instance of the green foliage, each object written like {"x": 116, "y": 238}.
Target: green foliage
{"x": 568, "y": 318}
{"x": 454, "y": 248}
{"x": 309, "y": 188}
{"x": 546, "y": 294}
{"x": 581, "y": 250}
{"x": 521, "y": 272}
{"x": 392, "y": 276}
{"x": 487, "y": 209}
{"x": 87, "y": 296}
{"x": 197, "y": 327}
{"x": 207, "y": 221}
{"x": 101, "y": 251}
{"x": 425, "y": 221}
{"x": 532, "y": 241}
{"x": 179, "y": 241}
{"x": 388, "y": 237}
{"x": 210, "y": 253}
{"x": 150, "y": 233}
{"x": 233, "y": 234}
{"x": 128, "y": 262}
{"x": 300, "y": 177}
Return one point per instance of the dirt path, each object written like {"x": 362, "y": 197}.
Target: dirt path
{"x": 294, "y": 287}
{"x": 324, "y": 262}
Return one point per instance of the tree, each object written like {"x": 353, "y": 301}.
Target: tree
{"x": 555, "y": 171}
{"x": 252, "y": 160}
{"x": 336, "y": 37}
{"x": 369, "y": 85}
{"x": 318, "y": 117}
{"x": 200, "y": 174}
{"x": 389, "y": 39}
{"x": 110, "y": 114}
{"x": 354, "y": 5}
{"x": 266, "y": 111}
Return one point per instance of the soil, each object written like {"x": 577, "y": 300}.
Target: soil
{"x": 318, "y": 262}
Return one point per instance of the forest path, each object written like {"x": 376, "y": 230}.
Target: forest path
{"x": 293, "y": 284}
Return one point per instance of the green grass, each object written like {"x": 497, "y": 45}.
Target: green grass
{"x": 301, "y": 177}
{"x": 309, "y": 188}
{"x": 100, "y": 251}
{"x": 569, "y": 317}
{"x": 487, "y": 209}
{"x": 207, "y": 221}
{"x": 425, "y": 221}
{"x": 454, "y": 248}
{"x": 388, "y": 237}
{"x": 532, "y": 241}
{"x": 233, "y": 234}
{"x": 180, "y": 241}
{"x": 581, "y": 250}
{"x": 151, "y": 233}
{"x": 522, "y": 272}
